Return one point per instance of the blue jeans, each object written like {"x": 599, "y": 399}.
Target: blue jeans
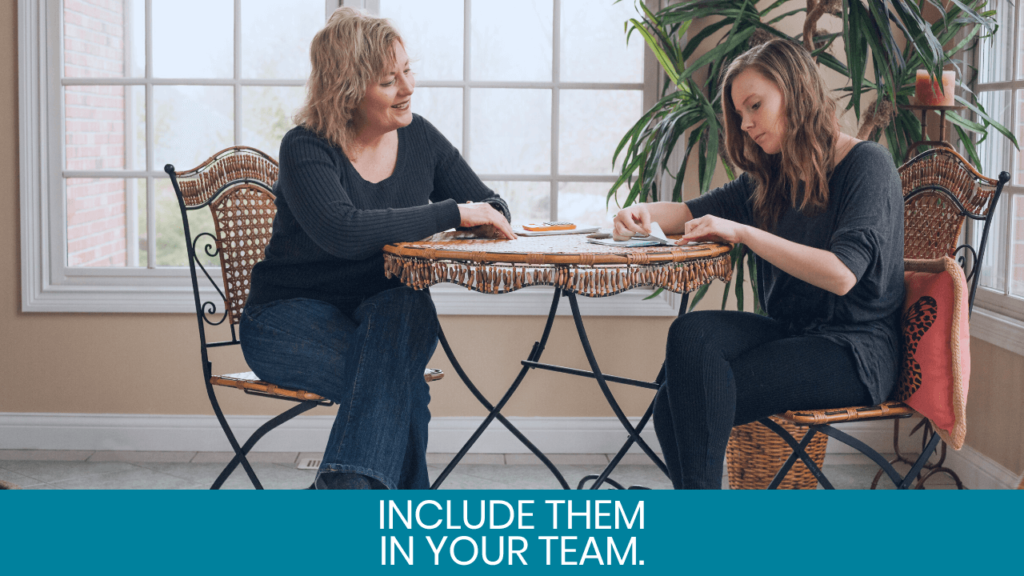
{"x": 370, "y": 364}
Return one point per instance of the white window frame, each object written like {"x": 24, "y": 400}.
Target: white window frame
{"x": 49, "y": 285}
{"x": 998, "y": 317}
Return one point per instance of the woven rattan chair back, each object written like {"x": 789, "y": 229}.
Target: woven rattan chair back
{"x": 242, "y": 217}
{"x": 941, "y": 190}
{"x": 236, "y": 184}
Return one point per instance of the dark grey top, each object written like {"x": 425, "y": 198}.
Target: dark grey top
{"x": 863, "y": 227}
{"x": 331, "y": 224}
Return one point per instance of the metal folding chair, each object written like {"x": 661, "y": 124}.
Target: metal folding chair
{"x": 236, "y": 184}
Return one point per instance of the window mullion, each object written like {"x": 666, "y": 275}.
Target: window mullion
{"x": 1013, "y": 42}
{"x": 467, "y": 38}
{"x": 131, "y": 200}
{"x": 1007, "y": 233}
{"x": 238, "y": 72}
{"x": 150, "y": 152}
{"x": 556, "y": 77}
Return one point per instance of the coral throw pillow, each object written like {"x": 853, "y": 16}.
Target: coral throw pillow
{"x": 936, "y": 346}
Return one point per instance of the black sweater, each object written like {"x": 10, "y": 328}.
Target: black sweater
{"x": 863, "y": 227}
{"x": 331, "y": 224}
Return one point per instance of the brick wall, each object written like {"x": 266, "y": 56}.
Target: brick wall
{"x": 94, "y": 32}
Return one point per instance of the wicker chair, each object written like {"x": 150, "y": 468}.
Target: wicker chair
{"x": 236, "y": 184}
{"x": 940, "y": 191}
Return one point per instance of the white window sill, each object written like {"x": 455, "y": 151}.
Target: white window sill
{"x": 170, "y": 291}
{"x": 997, "y": 329}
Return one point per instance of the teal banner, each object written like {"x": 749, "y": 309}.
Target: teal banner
{"x": 478, "y": 532}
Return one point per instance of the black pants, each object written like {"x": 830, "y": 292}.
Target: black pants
{"x": 727, "y": 368}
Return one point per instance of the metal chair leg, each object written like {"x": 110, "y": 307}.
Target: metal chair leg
{"x": 901, "y": 482}
{"x": 927, "y": 431}
{"x": 798, "y": 452}
{"x": 260, "y": 432}
{"x": 231, "y": 436}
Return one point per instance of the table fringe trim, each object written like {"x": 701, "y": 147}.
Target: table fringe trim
{"x": 587, "y": 281}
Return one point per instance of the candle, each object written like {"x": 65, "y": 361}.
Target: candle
{"x": 929, "y": 93}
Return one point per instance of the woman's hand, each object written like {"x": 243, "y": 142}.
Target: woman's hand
{"x": 632, "y": 221}
{"x": 485, "y": 221}
{"x": 714, "y": 229}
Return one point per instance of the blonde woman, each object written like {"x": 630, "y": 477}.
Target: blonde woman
{"x": 823, "y": 212}
{"x": 359, "y": 171}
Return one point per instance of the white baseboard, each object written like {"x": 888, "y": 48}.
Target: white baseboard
{"x": 138, "y": 432}
{"x": 979, "y": 472}
{"x": 49, "y": 431}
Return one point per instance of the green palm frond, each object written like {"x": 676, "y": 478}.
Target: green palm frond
{"x": 689, "y": 111}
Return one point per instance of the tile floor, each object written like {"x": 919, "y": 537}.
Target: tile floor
{"x": 110, "y": 470}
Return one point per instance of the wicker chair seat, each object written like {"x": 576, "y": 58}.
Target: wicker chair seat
{"x": 249, "y": 381}
{"x": 850, "y": 414}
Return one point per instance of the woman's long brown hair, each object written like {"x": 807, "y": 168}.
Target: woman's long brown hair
{"x": 808, "y": 144}
{"x": 348, "y": 54}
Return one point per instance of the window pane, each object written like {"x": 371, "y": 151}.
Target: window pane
{"x": 591, "y": 124}
{"x": 141, "y": 228}
{"x": 1017, "y": 258}
{"x": 104, "y": 38}
{"x": 992, "y": 273}
{"x": 267, "y": 114}
{"x": 105, "y": 127}
{"x": 594, "y": 43}
{"x": 97, "y": 220}
{"x": 193, "y": 38}
{"x": 994, "y": 56}
{"x": 1020, "y": 46}
{"x": 276, "y": 37}
{"x": 192, "y": 123}
{"x": 1018, "y": 130}
{"x": 512, "y": 40}
{"x": 433, "y": 34}
{"x": 442, "y": 107}
{"x": 510, "y": 131}
{"x": 995, "y": 151}
{"x": 584, "y": 203}
{"x": 170, "y": 235}
{"x": 995, "y": 155}
{"x": 527, "y": 201}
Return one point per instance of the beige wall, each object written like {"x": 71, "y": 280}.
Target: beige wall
{"x": 995, "y": 407}
{"x": 149, "y": 363}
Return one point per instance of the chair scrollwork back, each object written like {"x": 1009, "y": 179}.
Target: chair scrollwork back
{"x": 941, "y": 190}
{"x": 237, "y": 186}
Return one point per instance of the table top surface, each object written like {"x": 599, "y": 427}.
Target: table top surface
{"x": 565, "y": 250}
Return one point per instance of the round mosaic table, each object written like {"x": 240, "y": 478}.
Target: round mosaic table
{"x": 573, "y": 266}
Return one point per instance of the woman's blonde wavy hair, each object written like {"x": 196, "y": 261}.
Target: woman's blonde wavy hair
{"x": 808, "y": 144}
{"x": 350, "y": 53}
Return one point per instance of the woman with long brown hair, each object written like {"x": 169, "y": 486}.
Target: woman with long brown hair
{"x": 823, "y": 213}
{"x": 359, "y": 171}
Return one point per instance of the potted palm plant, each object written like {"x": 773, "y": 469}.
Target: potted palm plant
{"x": 689, "y": 110}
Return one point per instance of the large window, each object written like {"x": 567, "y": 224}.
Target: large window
{"x": 1000, "y": 89}
{"x": 535, "y": 94}
{"x": 148, "y": 83}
